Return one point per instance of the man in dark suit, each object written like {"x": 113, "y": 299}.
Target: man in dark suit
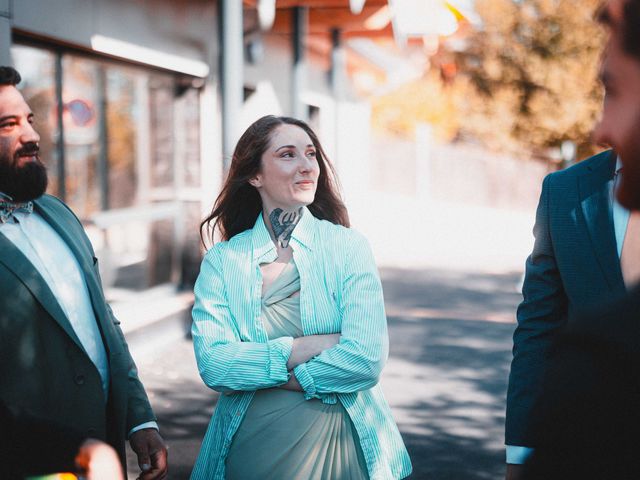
{"x": 574, "y": 263}
{"x": 62, "y": 354}
{"x": 585, "y": 422}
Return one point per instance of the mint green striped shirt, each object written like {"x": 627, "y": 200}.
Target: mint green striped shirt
{"x": 340, "y": 293}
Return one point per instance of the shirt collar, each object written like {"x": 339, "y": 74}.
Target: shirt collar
{"x": 260, "y": 238}
{"x": 20, "y": 212}
{"x": 618, "y": 164}
{"x": 4, "y": 196}
{"x": 304, "y": 231}
{"x": 302, "y": 234}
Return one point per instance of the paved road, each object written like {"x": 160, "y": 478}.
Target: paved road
{"x": 446, "y": 377}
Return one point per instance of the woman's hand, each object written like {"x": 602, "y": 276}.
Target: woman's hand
{"x": 303, "y": 350}
{"x": 307, "y": 347}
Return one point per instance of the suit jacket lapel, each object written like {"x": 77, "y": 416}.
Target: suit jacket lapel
{"x": 65, "y": 229}
{"x": 14, "y": 260}
{"x": 70, "y": 232}
{"x": 595, "y": 200}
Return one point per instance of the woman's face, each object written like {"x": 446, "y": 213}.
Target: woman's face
{"x": 289, "y": 170}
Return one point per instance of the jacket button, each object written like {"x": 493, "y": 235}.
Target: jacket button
{"x": 79, "y": 379}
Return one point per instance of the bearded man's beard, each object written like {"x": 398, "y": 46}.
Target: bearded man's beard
{"x": 629, "y": 191}
{"x": 629, "y": 150}
{"x": 23, "y": 182}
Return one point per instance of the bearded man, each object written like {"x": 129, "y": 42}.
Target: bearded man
{"x": 588, "y": 417}
{"x": 63, "y": 357}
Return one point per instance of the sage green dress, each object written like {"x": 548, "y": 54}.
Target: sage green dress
{"x": 283, "y": 436}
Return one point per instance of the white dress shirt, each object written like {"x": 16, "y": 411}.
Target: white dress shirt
{"x": 620, "y": 214}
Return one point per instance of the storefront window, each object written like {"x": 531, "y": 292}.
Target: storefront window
{"x": 140, "y": 254}
{"x": 124, "y": 145}
{"x": 191, "y": 137}
{"x": 131, "y": 151}
{"x": 82, "y": 117}
{"x": 37, "y": 68}
{"x": 162, "y": 253}
{"x": 161, "y": 98}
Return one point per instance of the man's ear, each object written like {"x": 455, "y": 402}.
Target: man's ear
{"x": 255, "y": 181}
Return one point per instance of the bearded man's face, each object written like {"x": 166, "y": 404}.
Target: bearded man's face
{"x": 22, "y": 175}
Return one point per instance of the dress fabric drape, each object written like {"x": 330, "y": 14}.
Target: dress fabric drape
{"x": 283, "y": 435}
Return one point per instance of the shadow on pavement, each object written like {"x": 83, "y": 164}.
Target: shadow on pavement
{"x": 182, "y": 403}
{"x": 475, "y": 295}
{"x": 446, "y": 378}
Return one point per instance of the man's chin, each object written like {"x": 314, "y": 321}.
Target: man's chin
{"x": 629, "y": 192}
{"x": 24, "y": 160}
{"x": 25, "y": 183}
{"x": 28, "y": 197}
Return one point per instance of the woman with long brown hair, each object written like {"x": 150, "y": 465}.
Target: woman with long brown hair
{"x": 289, "y": 322}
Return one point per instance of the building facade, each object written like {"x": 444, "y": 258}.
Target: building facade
{"x": 124, "y": 96}
{"x": 139, "y": 103}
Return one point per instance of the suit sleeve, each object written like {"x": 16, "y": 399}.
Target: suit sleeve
{"x": 356, "y": 362}
{"x": 138, "y": 407}
{"x": 541, "y": 314}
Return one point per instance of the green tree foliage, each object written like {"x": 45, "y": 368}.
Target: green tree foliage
{"x": 427, "y": 100}
{"x": 524, "y": 81}
{"x": 531, "y": 74}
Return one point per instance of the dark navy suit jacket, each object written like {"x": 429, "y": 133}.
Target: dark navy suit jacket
{"x": 31, "y": 446}
{"x": 587, "y": 421}
{"x": 574, "y": 265}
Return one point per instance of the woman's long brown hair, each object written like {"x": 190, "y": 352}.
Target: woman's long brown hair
{"x": 239, "y": 204}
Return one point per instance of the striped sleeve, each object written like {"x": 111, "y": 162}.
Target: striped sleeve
{"x": 224, "y": 361}
{"x": 356, "y": 362}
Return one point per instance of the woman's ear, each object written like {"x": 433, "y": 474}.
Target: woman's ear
{"x": 255, "y": 181}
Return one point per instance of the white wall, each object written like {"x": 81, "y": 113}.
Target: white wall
{"x": 353, "y": 153}
{"x": 165, "y": 25}
{"x": 344, "y": 126}
{"x": 276, "y": 68}
{"x": 5, "y": 33}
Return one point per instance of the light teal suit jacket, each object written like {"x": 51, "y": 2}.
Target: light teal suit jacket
{"x": 44, "y": 369}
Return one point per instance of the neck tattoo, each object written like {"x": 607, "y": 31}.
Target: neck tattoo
{"x": 283, "y": 223}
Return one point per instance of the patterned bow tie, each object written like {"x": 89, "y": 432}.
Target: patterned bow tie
{"x": 7, "y": 209}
